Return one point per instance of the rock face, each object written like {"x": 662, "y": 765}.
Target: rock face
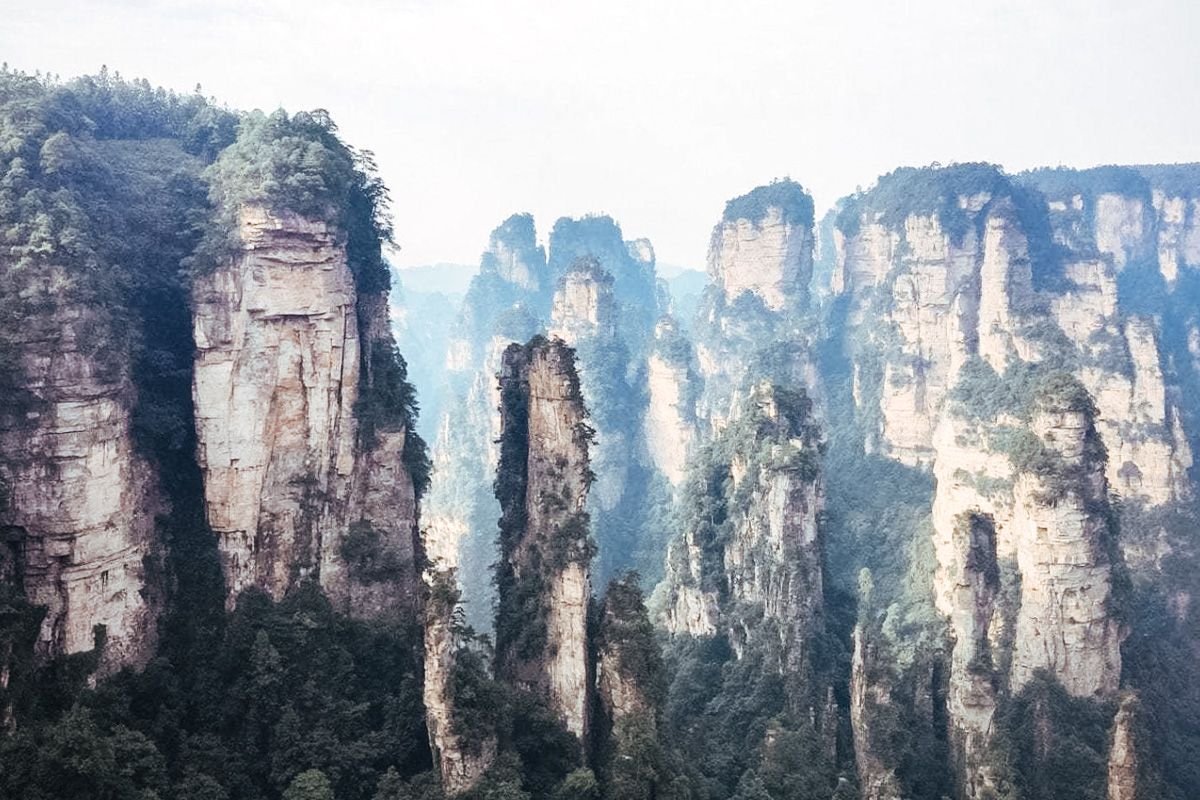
{"x": 958, "y": 285}
{"x": 1123, "y": 762}
{"x": 584, "y": 317}
{"x": 77, "y": 528}
{"x": 597, "y": 292}
{"x": 760, "y": 264}
{"x": 1061, "y": 534}
{"x": 461, "y": 763}
{"x": 584, "y": 306}
{"x": 764, "y": 245}
{"x": 295, "y": 488}
{"x": 630, "y": 689}
{"x": 934, "y": 285}
{"x": 671, "y": 427}
{"x": 1025, "y": 574}
{"x": 542, "y": 485}
{"x": 769, "y": 577}
{"x": 876, "y": 779}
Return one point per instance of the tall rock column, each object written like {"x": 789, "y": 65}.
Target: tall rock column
{"x": 544, "y": 574}
{"x": 670, "y": 426}
{"x": 763, "y": 469}
{"x": 760, "y": 263}
{"x": 288, "y": 357}
{"x": 77, "y": 500}
{"x": 461, "y": 757}
{"x": 1065, "y": 623}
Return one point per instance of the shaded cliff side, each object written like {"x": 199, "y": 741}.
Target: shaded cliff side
{"x": 543, "y": 577}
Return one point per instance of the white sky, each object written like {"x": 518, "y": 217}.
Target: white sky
{"x": 657, "y": 112}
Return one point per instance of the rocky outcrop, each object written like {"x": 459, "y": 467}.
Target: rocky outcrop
{"x": 758, "y": 485}
{"x": 461, "y": 761}
{"x": 760, "y": 263}
{"x": 1123, "y": 762}
{"x": 1065, "y": 623}
{"x": 77, "y": 519}
{"x": 597, "y": 292}
{"x": 963, "y": 268}
{"x": 868, "y": 695}
{"x": 584, "y": 306}
{"x": 926, "y": 298}
{"x": 1024, "y": 548}
{"x": 670, "y": 427}
{"x": 584, "y": 317}
{"x": 515, "y": 257}
{"x": 764, "y": 245}
{"x": 542, "y": 485}
{"x": 629, "y": 672}
{"x": 300, "y": 481}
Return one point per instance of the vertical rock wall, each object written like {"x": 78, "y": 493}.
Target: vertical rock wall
{"x": 77, "y": 526}
{"x": 542, "y": 485}
{"x": 281, "y": 341}
{"x": 770, "y": 570}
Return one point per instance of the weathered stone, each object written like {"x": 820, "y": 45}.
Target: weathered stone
{"x": 78, "y": 526}
{"x": 281, "y": 341}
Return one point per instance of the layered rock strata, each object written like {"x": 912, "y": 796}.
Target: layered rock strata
{"x": 77, "y": 522}
{"x": 295, "y": 487}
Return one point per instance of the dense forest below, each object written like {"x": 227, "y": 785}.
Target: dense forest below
{"x": 810, "y": 609}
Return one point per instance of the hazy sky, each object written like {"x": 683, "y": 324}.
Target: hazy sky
{"x": 657, "y": 112}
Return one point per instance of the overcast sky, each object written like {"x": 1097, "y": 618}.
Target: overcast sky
{"x": 657, "y": 112}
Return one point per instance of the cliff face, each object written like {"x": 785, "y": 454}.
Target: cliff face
{"x": 962, "y": 291}
{"x": 542, "y": 485}
{"x": 1023, "y": 541}
{"x": 1123, "y": 762}
{"x": 868, "y": 694}
{"x": 584, "y": 306}
{"x": 77, "y": 528}
{"x": 584, "y": 316}
{"x": 767, "y": 580}
{"x": 461, "y": 762}
{"x": 670, "y": 427}
{"x": 1061, "y": 534}
{"x": 770, "y": 257}
{"x": 760, "y": 264}
{"x": 597, "y": 292}
{"x": 294, "y": 486}
{"x": 934, "y": 287}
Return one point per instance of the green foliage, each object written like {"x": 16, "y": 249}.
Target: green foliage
{"x": 388, "y": 402}
{"x": 479, "y": 703}
{"x": 76, "y": 759}
{"x": 579, "y": 784}
{"x": 366, "y": 555}
{"x": 790, "y": 198}
{"x": 1159, "y": 656}
{"x": 1174, "y": 180}
{"x": 626, "y": 628}
{"x": 1053, "y": 746}
{"x": 240, "y": 712}
{"x": 1063, "y": 182}
{"x": 309, "y": 785}
{"x": 923, "y": 191}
